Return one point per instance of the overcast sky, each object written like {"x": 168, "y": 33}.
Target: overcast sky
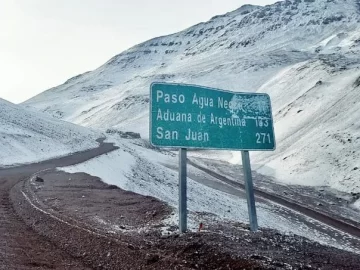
{"x": 45, "y": 42}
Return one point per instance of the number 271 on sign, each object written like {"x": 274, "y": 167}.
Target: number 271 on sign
{"x": 263, "y": 138}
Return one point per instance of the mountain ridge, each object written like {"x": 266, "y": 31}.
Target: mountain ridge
{"x": 266, "y": 11}
{"x": 301, "y": 44}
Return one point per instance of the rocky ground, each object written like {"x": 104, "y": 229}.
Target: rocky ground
{"x": 103, "y": 227}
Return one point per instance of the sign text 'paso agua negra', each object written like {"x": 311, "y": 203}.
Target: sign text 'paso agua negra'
{"x": 188, "y": 116}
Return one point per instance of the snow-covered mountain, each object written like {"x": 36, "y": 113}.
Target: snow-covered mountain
{"x": 304, "y": 53}
{"x": 28, "y": 136}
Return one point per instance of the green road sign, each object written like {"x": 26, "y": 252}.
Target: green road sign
{"x": 189, "y": 116}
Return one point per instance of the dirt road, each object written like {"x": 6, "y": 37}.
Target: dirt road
{"x": 21, "y": 247}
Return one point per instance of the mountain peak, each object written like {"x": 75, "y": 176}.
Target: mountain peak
{"x": 248, "y": 7}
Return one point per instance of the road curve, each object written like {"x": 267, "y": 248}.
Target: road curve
{"x": 22, "y": 248}
{"x": 316, "y": 215}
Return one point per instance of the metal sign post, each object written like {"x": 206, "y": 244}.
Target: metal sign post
{"x": 249, "y": 190}
{"x": 182, "y": 191}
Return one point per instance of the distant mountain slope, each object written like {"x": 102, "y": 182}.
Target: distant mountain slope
{"x": 304, "y": 53}
{"x": 317, "y": 126}
{"x": 27, "y": 136}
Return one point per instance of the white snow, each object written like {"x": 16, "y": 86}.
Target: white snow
{"x": 30, "y": 136}
{"x": 317, "y": 130}
{"x": 357, "y": 204}
{"x": 305, "y": 55}
{"x": 114, "y": 168}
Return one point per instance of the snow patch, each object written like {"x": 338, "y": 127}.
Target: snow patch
{"x": 114, "y": 168}
{"x": 357, "y": 204}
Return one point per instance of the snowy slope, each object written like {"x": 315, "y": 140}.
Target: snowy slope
{"x": 304, "y": 53}
{"x": 27, "y": 136}
{"x": 145, "y": 171}
{"x": 317, "y": 127}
